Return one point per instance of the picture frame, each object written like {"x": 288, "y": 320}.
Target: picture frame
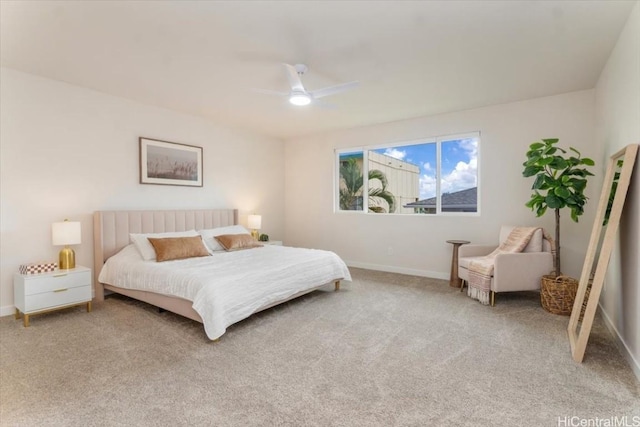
{"x": 170, "y": 163}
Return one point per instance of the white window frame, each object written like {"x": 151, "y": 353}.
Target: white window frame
{"x": 438, "y": 140}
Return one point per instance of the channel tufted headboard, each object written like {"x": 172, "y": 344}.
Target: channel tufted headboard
{"x": 111, "y": 228}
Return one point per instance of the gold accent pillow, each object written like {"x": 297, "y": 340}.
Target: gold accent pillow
{"x": 170, "y": 248}
{"x": 236, "y": 242}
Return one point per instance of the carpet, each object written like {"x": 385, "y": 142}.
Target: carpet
{"x": 386, "y": 350}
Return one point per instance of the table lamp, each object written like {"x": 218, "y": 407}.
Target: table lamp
{"x": 255, "y": 223}
{"x": 64, "y": 234}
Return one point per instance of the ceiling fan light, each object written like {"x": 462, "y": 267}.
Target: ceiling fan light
{"x": 300, "y": 99}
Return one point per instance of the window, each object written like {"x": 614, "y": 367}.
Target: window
{"x": 432, "y": 176}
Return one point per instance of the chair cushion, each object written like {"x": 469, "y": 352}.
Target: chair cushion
{"x": 464, "y": 261}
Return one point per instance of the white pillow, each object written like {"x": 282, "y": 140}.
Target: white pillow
{"x": 209, "y": 235}
{"x": 146, "y": 249}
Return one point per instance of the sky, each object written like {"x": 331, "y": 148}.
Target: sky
{"x": 459, "y": 164}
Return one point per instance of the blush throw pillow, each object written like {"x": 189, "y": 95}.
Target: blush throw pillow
{"x": 236, "y": 242}
{"x": 171, "y": 248}
{"x": 209, "y": 235}
{"x": 144, "y": 247}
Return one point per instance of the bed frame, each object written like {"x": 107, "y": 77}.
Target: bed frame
{"x": 111, "y": 233}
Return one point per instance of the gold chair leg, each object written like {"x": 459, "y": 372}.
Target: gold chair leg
{"x": 25, "y": 321}
{"x": 17, "y": 314}
{"x": 493, "y": 299}
{"x": 462, "y": 285}
{"x": 89, "y": 307}
{"x": 337, "y": 286}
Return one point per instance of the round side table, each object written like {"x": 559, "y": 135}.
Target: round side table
{"x": 454, "y": 280}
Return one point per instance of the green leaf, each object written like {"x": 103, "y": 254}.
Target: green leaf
{"x": 558, "y": 163}
{"x": 574, "y": 215}
{"x": 574, "y": 161}
{"x": 578, "y": 184}
{"x": 536, "y": 146}
{"x": 549, "y": 151}
{"x": 575, "y": 151}
{"x": 550, "y": 140}
{"x": 562, "y": 192}
{"x": 553, "y": 201}
{"x": 531, "y": 170}
{"x": 541, "y": 210}
{"x": 537, "y": 184}
{"x": 587, "y": 161}
{"x": 532, "y": 161}
{"x": 546, "y": 160}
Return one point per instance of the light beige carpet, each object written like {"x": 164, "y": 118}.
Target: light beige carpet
{"x": 387, "y": 350}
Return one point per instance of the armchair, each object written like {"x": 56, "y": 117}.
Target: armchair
{"x": 512, "y": 272}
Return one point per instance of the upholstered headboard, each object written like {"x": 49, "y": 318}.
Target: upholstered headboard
{"x": 111, "y": 228}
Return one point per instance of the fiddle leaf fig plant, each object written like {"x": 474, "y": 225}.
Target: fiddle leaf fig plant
{"x": 560, "y": 181}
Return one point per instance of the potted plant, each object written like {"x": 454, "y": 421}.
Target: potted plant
{"x": 560, "y": 181}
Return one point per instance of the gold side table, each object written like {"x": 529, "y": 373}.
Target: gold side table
{"x": 454, "y": 280}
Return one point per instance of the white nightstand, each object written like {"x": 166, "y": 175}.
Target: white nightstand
{"x": 39, "y": 293}
{"x": 273, "y": 242}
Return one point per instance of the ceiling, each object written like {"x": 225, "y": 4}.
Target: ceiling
{"x": 411, "y": 58}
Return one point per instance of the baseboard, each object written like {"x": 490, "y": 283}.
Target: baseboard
{"x": 624, "y": 349}
{"x": 7, "y": 310}
{"x": 401, "y": 270}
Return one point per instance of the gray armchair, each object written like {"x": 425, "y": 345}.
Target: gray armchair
{"x": 512, "y": 271}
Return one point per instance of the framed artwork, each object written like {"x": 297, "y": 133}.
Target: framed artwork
{"x": 170, "y": 163}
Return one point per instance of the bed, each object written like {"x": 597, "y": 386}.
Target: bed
{"x": 207, "y": 289}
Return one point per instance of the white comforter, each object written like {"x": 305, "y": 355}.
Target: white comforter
{"x": 228, "y": 286}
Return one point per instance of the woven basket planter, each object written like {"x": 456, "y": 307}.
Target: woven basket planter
{"x": 557, "y": 294}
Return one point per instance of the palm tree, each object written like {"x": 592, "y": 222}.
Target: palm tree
{"x": 351, "y": 185}
{"x": 351, "y": 190}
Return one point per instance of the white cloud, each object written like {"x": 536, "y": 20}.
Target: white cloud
{"x": 396, "y": 154}
{"x": 465, "y": 175}
{"x": 427, "y": 186}
{"x": 427, "y": 167}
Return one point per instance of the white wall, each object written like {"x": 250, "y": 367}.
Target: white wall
{"x": 67, "y": 151}
{"x": 416, "y": 244}
{"x": 617, "y": 125}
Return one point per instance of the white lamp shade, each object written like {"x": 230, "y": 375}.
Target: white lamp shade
{"x": 255, "y": 222}
{"x": 66, "y": 233}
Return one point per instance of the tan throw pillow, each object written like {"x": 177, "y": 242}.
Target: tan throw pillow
{"x": 171, "y": 248}
{"x": 236, "y": 242}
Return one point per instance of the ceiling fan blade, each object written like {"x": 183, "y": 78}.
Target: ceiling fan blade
{"x": 324, "y": 104}
{"x": 294, "y": 78}
{"x": 320, "y": 93}
{"x": 270, "y": 92}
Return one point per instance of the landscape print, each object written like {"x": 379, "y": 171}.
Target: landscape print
{"x": 170, "y": 163}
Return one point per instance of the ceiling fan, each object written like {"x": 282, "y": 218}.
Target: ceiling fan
{"x": 301, "y": 96}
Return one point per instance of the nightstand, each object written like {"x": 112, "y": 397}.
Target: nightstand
{"x": 40, "y": 293}
{"x": 273, "y": 242}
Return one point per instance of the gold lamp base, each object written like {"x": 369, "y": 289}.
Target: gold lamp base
{"x": 255, "y": 234}
{"x": 67, "y": 259}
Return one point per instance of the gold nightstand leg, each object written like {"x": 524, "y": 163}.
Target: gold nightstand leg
{"x": 26, "y": 321}
{"x": 89, "y": 307}
{"x": 17, "y": 314}
{"x": 337, "y": 286}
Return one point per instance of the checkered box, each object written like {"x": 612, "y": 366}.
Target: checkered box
{"x": 43, "y": 267}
